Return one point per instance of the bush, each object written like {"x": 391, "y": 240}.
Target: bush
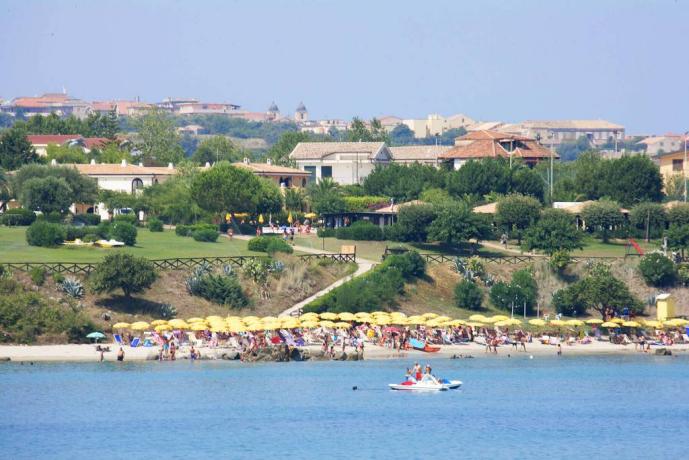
{"x": 58, "y": 278}
{"x": 155, "y": 225}
{"x": 123, "y": 271}
{"x": 45, "y": 234}
{"x": 125, "y": 232}
{"x": 278, "y": 245}
{"x": 91, "y": 238}
{"x": 411, "y": 264}
{"x": 183, "y": 230}
{"x": 394, "y": 232}
{"x": 468, "y": 295}
{"x": 559, "y": 261}
{"x": 72, "y": 232}
{"x": 54, "y": 217}
{"x": 88, "y": 219}
{"x": 73, "y": 288}
{"x": 325, "y": 232}
{"x": 520, "y": 292}
{"x": 220, "y": 289}
{"x": 414, "y": 220}
{"x": 19, "y": 216}
{"x": 188, "y": 230}
{"x": 361, "y": 230}
{"x": 364, "y": 202}
{"x": 657, "y": 270}
{"x": 128, "y": 218}
{"x": 103, "y": 229}
{"x": 38, "y": 275}
{"x": 260, "y": 243}
{"x": 206, "y": 235}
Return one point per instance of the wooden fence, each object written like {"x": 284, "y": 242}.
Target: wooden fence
{"x": 518, "y": 258}
{"x": 180, "y": 263}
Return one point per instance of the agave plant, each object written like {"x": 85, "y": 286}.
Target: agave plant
{"x": 277, "y": 267}
{"x": 73, "y": 288}
{"x": 192, "y": 284}
{"x": 228, "y": 270}
{"x": 167, "y": 311}
{"x": 201, "y": 269}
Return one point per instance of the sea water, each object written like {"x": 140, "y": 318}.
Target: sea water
{"x": 546, "y": 407}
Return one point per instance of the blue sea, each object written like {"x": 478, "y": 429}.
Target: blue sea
{"x": 570, "y": 407}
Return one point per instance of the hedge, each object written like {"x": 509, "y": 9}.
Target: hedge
{"x": 206, "y": 235}
{"x": 18, "y": 216}
{"x": 361, "y": 230}
{"x": 46, "y": 234}
{"x": 363, "y": 203}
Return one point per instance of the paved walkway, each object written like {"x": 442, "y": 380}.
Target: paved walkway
{"x": 502, "y": 248}
{"x": 363, "y": 266}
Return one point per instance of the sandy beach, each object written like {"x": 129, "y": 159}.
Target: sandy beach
{"x": 71, "y": 353}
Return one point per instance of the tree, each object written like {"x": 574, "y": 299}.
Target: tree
{"x": 520, "y": 293}
{"x": 455, "y": 223}
{"x": 159, "y": 140}
{"x": 602, "y": 216}
{"x": 570, "y": 151}
{"x": 15, "y": 149}
{"x": 478, "y": 178}
{"x": 325, "y": 196}
{"x": 515, "y": 213}
{"x": 649, "y": 218}
{"x": 125, "y": 232}
{"x": 403, "y": 182}
{"x": 46, "y": 194}
{"x": 590, "y": 173}
{"x": 269, "y": 198}
{"x": 112, "y": 153}
{"x": 555, "y": 231}
{"x": 414, "y": 220}
{"x": 678, "y": 237}
{"x": 402, "y": 135}
{"x": 358, "y": 132}
{"x": 633, "y": 179}
{"x": 84, "y": 189}
{"x": 4, "y": 187}
{"x": 657, "y": 270}
{"x": 526, "y": 181}
{"x": 123, "y": 271}
{"x": 280, "y": 151}
{"x": 295, "y": 199}
{"x": 679, "y": 214}
{"x": 66, "y": 154}
{"x": 225, "y": 188}
{"x": 435, "y": 196}
{"x": 468, "y": 295}
{"x": 604, "y": 293}
{"x": 215, "y": 149}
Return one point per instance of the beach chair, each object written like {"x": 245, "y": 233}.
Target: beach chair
{"x": 118, "y": 340}
{"x": 135, "y": 342}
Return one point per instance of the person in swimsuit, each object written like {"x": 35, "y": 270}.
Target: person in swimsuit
{"x": 120, "y": 355}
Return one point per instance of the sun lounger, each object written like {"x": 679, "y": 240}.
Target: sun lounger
{"x": 118, "y": 340}
{"x": 135, "y": 342}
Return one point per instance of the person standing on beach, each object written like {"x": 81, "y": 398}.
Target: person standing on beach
{"x": 120, "y": 355}
{"x": 101, "y": 355}
{"x": 559, "y": 349}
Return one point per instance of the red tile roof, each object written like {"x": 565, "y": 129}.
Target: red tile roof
{"x": 59, "y": 139}
{"x": 489, "y": 144}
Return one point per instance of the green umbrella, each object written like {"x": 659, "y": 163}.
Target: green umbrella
{"x": 96, "y": 336}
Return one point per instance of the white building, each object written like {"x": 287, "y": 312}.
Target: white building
{"x": 598, "y": 132}
{"x": 346, "y": 162}
{"x": 435, "y": 125}
{"x": 656, "y": 145}
{"x": 422, "y": 154}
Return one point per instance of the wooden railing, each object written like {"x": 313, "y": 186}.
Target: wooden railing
{"x": 507, "y": 259}
{"x": 178, "y": 263}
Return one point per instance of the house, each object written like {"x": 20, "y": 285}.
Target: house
{"x": 59, "y": 103}
{"x": 423, "y": 154}
{"x": 381, "y": 216}
{"x": 40, "y": 142}
{"x": 195, "y": 108}
{"x": 390, "y": 122}
{"x": 493, "y": 144}
{"x": 322, "y": 126}
{"x": 656, "y": 145}
{"x": 435, "y": 125}
{"x": 673, "y": 164}
{"x": 598, "y": 132}
{"x": 193, "y": 130}
{"x": 283, "y": 176}
{"x": 345, "y": 162}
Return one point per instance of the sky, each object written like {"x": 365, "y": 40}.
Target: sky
{"x": 624, "y": 61}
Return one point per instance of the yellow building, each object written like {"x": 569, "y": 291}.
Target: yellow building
{"x": 672, "y": 164}
{"x": 665, "y": 306}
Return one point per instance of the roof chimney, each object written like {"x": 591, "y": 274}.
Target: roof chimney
{"x": 170, "y": 166}
{"x": 123, "y": 163}
{"x": 269, "y": 161}
{"x": 246, "y": 161}
{"x": 93, "y": 161}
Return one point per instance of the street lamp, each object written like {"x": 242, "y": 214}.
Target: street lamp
{"x": 684, "y": 165}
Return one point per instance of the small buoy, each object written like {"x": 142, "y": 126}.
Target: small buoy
{"x": 530, "y": 356}
{"x": 354, "y": 388}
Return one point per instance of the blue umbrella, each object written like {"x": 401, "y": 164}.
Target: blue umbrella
{"x": 96, "y": 336}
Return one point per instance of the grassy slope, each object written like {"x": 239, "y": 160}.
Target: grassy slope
{"x": 13, "y": 248}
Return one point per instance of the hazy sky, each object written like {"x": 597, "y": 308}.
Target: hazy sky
{"x": 625, "y": 61}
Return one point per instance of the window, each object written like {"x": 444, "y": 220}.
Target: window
{"x": 677, "y": 165}
{"x": 137, "y": 186}
{"x": 312, "y": 173}
{"x": 326, "y": 171}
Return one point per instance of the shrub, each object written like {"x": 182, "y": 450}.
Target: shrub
{"x": 18, "y": 216}
{"x": 72, "y": 232}
{"x": 521, "y": 292}
{"x": 206, "y": 235}
{"x": 123, "y": 271}
{"x": 88, "y": 219}
{"x": 46, "y": 234}
{"x": 325, "y": 232}
{"x": 125, "y": 232}
{"x": 394, "y": 232}
{"x": 413, "y": 221}
{"x": 559, "y": 261}
{"x": 364, "y": 202}
{"x": 155, "y": 225}
{"x": 278, "y": 245}
{"x": 260, "y": 243}
{"x": 468, "y": 295}
{"x": 103, "y": 229}
{"x": 54, "y": 217}
{"x": 38, "y": 275}
{"x": 657, "y": 269}
{"x": 221, "y": 289}
{"x": 58, "y": 278}
{"x": 183, "y": 230}
{"x": 128, "y": 218}
{"x": 361, "y": 230}
{"x": 90, "y": 238}
{"x": 411, "y": 264}
{"x": 683, "y": 275}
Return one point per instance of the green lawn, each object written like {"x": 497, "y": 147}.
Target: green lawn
{"x": 13, "y": 248}
{"x": 617, "y": 248}
{"x": 373, "y": 250}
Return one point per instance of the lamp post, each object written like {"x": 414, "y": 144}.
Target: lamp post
{"x": 552, "y": 172}
{"x": 684, "y": 165}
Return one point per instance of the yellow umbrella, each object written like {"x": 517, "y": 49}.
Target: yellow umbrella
{"x": 195, "y": 320}
{"x": 594, "y": 321}
{"x": 475, "y": 324}
{"x": 268, "y": 319}
{"x": 250, "y": 319}
{"x": 178, "y": 324}
{"x": 214, "y": 318}
{"x": 158, "y": 322}
{"x": 260, "y": 219}
{"x": 343, "y": 325}
{"x": 500, "y": 318}
{"x": 310, "y": 215}
{"x": 575, "y": 322}
{"x": 163, "y": 327}
{"x": 617, "y": 320}
{"x": 236, "y": 328}
{"x": 503, "y": 323}
{"x": 653, "y": 323}
{"x": 326, "y": 323}
{"x": 631, "y": 324}
{"x": 347, "y": 316}
{"x": 456, "y": 323}
{"x": 610, "y": 324}
{"x": 121, "y": 326}
{"x": 557, "y": 322}
{"x": 537, "y": 322}
{"x": 199, "y": 327}
{"x": 477, "y": 317}
{"x": 289, "y": 218}
{"x": 430, "y": 315}
{"x": 328, "y": 316}
{"x": 309, "y": 324}
{"x": 308, "y": 316}
{"x": 139, "y": 326}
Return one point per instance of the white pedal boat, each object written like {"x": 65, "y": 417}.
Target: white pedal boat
{"x": 426, "y": 385}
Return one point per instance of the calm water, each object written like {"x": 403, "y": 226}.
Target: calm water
{"x": 623, "y": 407}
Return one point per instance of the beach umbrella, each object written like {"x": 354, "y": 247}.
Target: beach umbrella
{"x": 195, "y": 320}
{"x": 594, "y": 321}
{"x": 500, "y": 318}
{"x": 261, "y": 219}
{"x": 158, "y": 322}
{"x": 178, "y": 324}
{"x": 574, "y": 322}
{"x": 617, "y": 320}
{"x": 475, "y": 324}
{"x": 309, "y": 324}
{"x": 162, "y": 327}
{"x": 653, "y": 323}
{"x": 214, "y": 318}
{"x": 610, "y": 324}
{"x": 269, "y": 319}
{"x": 456, "y": 323}
{"x": 430, "y": 315}
{"x": 236, "y": 328}
{"x": 96, "y": 336}
{"x": 329, "y": 316}
{"x": 343, "y": 325}
{"x": 326, "y": 323}
{"x": 503, "y": 323}
{"x": 139, "y": 326}
{"x": 537, "y": 322}
{"x": 557, "y": 322}
{"x": 199, "y": 327}
{"x": 310, "y": 215}
{"x": 250, "y": 319}
{"x": 631, "y": 324}
{"x": 309, "y": 316}
{"x": 121, "y": 326}
{"x": 347, "y": 316}
{"x": 477, "y": 317}
{"x": 289, "y": 218}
